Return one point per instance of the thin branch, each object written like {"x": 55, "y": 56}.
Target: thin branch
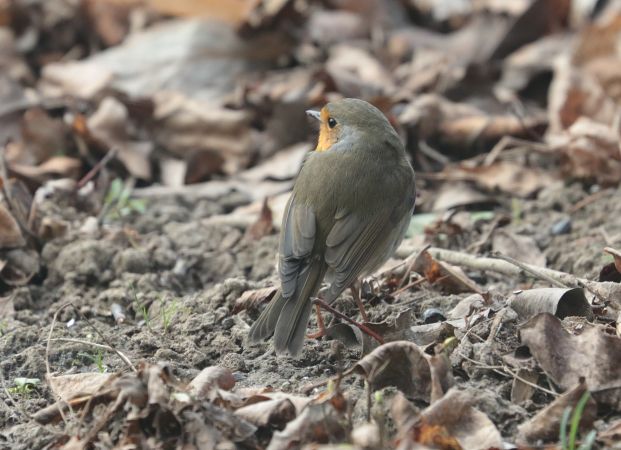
{"x": 97, "y": 167}
{"x": 536, "y": 272}
{"x": 342, "y": 316}
{"x": 102, "y": 346}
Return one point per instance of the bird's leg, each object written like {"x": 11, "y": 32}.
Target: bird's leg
{"x": 320, "y": 324}
{"x": 320, "y": 303}
{"x": 355, "y": 293}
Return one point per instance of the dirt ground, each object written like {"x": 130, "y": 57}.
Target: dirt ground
{"x": 139, "y": 140}
{"x": 178, "y": 277}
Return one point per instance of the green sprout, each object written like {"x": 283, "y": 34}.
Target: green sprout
{"x": 144, "y": 312}
{"x": 168, "y": 311}
{"x": 516, "y": 211}
{"x": 23, "y": 386}
{"x": 139, "y": 306}
{"x": 96, "y": 358}
{"x": 570, "y": 443}
{"x": 118, "y": 202}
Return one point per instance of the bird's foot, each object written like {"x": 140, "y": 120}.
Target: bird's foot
{"x": 366, "y": 330}
{"x": 320, "y": 324}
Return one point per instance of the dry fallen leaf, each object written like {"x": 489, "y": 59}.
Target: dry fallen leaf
{"x": 560, "y": 302}
{"x": 357, "y": 73}
{"x": 20, "y": 266}
{"x": 506, "y": 176}
{"x": 68, "y": 387}
{"x": 209, "y": 379}
{"x": 566, "y": 358}
{"x": 270, "y": 413}
{"x": 451, "y": 423}
{"x": 188, "y": 127}
{"x": 451, "y": 278}
{"x": 401, "y": 364}
{"x": 321, "y": 421}
{"x": 519, "y": 247}
{"x": 109, "y": 125}
{"x": 263, "y": 226}
{"x": 253, "y": 298}
{"x": 574, "y": 94}
{"x": 545, "y": 425}
{"x": 55, "y": 167}
{"x": 616, "y": 254}
{"x": 590, "y": 150}
{"x": 110, "y": 18}
{"x": 611, "y": 435}
{"x": 10, "y": 233}
{"x": 233, "y": 11}
{"x": 42, "y": 137}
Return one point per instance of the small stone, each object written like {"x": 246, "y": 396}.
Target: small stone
{"x": 90, "y": 225}
{"x": 433, "y": 315}
{"x": 227, "y": 323}
{"x": 239, "y": 376}
{"x": 562, "y": 226}
{"x": 234, "y": 362}
{"x": 133, "y": 261}
{"x": 181, "y": 268}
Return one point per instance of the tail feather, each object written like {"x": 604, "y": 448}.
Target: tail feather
{"x": 265, "y": 325}
{"x": 291, "y": 327}
{"x": 287, "y": 318}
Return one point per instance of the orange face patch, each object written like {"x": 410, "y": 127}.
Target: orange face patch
{"x": 327, "y": 136}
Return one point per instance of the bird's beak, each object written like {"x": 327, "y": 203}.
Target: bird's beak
{"x": 313, "y": 114}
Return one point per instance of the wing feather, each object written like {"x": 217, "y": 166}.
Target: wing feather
{"x": 296, "y": 244}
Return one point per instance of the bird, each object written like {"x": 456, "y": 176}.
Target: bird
{"x": 349, "y": 210}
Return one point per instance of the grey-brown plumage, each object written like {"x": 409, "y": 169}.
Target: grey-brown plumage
{"x": 349, "y": 210}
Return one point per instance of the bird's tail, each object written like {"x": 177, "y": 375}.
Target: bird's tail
{"x": 287, "y": 318}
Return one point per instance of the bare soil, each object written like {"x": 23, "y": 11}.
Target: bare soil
{"x": 178, "y": 277}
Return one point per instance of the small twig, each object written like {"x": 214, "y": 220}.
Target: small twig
{"x": 342, "y": 316}
{"x": 6, "y": 192}
{"x": 48, "y": 371}
{"x": 506, "y": 372}
{"x": 432, "y": 153}
{"x": 317, "y": 384}
{"x": 509, "y": 372}
{"x": 588, "y": 200}
{"x": 495, "y": 152}
{"x": 105, "y": 339}
{"x": 476, "y": 247}
{"x": 367, "y": 387}
{"x": 530, "y": 269}
{"x": 518, "y": 111}
{"x": 505, "y": 268}
{"x": 607, "y": 239}
{"x": 102, "y": 346}
{"x": 414, "y": 283}
{"x": 97, "y": 167}
{"x": 338, "y": 378}
{"x": 411, "y": 266}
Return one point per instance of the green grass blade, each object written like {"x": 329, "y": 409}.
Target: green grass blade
{"x": 575, "y": 419}
{"x": 563, "y": 431}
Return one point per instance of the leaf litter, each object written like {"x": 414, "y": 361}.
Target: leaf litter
{"x": 147, "y": 153}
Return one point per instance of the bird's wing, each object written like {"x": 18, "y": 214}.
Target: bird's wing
{"x": 356, "y": 240}
{"x": 297, "y": 239}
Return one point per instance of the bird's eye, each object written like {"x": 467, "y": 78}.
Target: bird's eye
{"x": 331, "y": 122}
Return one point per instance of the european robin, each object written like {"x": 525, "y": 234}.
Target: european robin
{"x": 350, "y": 208}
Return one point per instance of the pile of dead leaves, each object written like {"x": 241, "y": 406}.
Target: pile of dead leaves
{"x": 179, "y": 93}
{"x": 151, "y": 408}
